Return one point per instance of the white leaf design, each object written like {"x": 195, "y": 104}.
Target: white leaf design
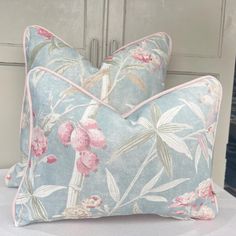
{"x": 210, "y": 153}
{"x": 175, "y": 143}
{"x": 136, "y": 209}
{"x": 144, "y": 122}
{"x": 173, "y": 127}
{"x": 170, "y": 185}
{"x": 150, "y": 184}
{"x": 195, "y": 109}
{"x": 169, "y": 115}
{"x": 39, "y": 212}
{"x": 197, "y": 156}
{"x": 154, "y": 198}
{"x": 203, "y": 145}
{"x": 22, "y": 198}
{"x": 112, "y": 186}
{"x": 46, "y": 190}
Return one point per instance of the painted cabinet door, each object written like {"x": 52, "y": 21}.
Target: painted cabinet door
{"x": 78, "y": 22}
{"x": 203, "y": 34}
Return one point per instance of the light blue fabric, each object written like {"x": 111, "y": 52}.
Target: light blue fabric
{"x": 133, "y": 74}
{"x": 88, "y": 161}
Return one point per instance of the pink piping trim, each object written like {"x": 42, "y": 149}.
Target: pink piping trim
{"x": 73, "y": 84}
{"x": 29, "y": 150}
{"x": 24, "y": 51}
{"x": 146, "y": 37}
{"x": 126, "y": 45}
{"x": 127, "y": 114}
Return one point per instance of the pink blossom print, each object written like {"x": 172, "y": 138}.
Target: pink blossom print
{"x": 184, "y": 200}
{"x": 39, "y": 142}
{"x": 64, "y": 132}
{"x": 87, "y": 135}
{"x": 205, "y": 190}
{"x": 80, "y": 139}
{"x": 90, "y": 124}
{"x": 203, "y": 213}
{"x": 142, "y": 57}
{"x": 87, "y": 162}
{"x": 51, "y": 159}
{"x": 44, "y": 33}
{"x": 92, "y": 202}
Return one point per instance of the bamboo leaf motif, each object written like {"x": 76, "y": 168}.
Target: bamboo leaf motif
{"x": 136, "y": 209}
{"x": 150, "y": 184}
{"x": 161, "y": 54}
{"x": 195, "y": 109}
{"x": 169, "y": 115}
{"x": 90, "y": 82}
{"x": 112, "y": 186}
{"x": 176, "y": 143}
{"x": 35, "y": 52}
{"x": 173, "y": 127}
{"x": 132, "y": 143}
{"x": 137, "y": 81}
{"x": 170, "y": 185}
{"x": 23, "y": 198}
{"x": 197, "y": 157}
{"x": 154, "y": 198}
{"x": 155, "y": 113}
{"x": 38, "y": 210}
{"x": 134, "y": 67}
{"x": 163, "y": 154}
{"x": 204, "y": 147}
{"x": 145, "y": 123}
{"x": 46, "y": 190}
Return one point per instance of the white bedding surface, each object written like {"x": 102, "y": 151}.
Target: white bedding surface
{"x": 146, "y": 225}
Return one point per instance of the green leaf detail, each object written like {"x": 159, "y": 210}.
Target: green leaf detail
{"x": 35, "y": 52}
{"x": 136, "y": 140}
{"x": 163, "y": 154}
{"x": 155, "y": 114}
{"x": 151, "y": 183}
{"x": 39, "y": 212}
{"x": 137, "y": 81}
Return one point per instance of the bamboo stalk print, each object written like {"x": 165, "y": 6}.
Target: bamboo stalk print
{"x": 77, "y": 178}
{"x": 73, "y": 188}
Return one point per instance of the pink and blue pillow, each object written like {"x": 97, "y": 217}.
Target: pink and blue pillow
{"x": 86, "y": 160}
{"x": 127, "y": 77}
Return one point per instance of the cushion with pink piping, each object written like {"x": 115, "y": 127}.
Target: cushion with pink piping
{"x": 88, "y": 161}
{"x": 127, "y": 77}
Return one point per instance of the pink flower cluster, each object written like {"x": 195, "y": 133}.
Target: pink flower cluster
{"x": 39, "y": 142}
{"x": 44, "y": 33}
{"x": 92, "y": 202}
{"x": 205, "y": 190}
{"x": 143, "y": 57}
{"x": 187, "y": 201}
{"x": 82, "y": 137}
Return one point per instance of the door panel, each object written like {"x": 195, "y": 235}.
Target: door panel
{"x": 76, "y": 21}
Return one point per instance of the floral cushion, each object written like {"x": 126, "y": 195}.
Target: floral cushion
{"x": 88, "y": 161}
{"x": 132, "y": 74}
